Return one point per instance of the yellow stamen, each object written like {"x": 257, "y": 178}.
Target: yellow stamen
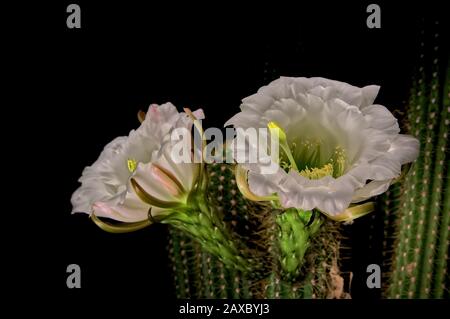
{"x": 316, "y": 173}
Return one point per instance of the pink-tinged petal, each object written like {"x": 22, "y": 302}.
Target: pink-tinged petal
{"x": 151, "y": 183}
{"x": 105, "y": 188}
{"x": 131, "y": 210}
{"x": 185, "y": 173}
{"x": 199, "y": 114}
{"x": 167, "y": 180}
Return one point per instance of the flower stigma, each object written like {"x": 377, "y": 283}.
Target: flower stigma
{"x": 132, "y": 165}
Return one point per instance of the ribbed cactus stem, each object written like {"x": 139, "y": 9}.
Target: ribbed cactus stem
{"x": 421, "y": 250}
{"x": 179, "y": 267}
{"x": 433, "y": 174}
{"x": 286, "y": 290}
{"x": 295, "y": 291}
{"x": 415, "y": 199}
{"x": 407, "y": 225}
{"x": 221, "y": 280}
{"x": 443, "y": 186}
{"x": 390, "y": 207}
{"x": 308, "y": 288}
{"x": 196, "y": 268}
{"x": 294, "y": 239}
{"x": 208, "y": 281}
{"x": 224, "y": 191}
{"x": 323, "y": 269}
{"x": 246, "y": 291}
{"x": 442, "y": 251}
{"x": 255, "y": 225}
{"x": 204, "y": 228}
{"x": 408, "y": 220}
{"x": 418, "y": 197}
{"x": 273, "y": 286}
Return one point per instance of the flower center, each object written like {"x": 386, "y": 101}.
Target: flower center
{"x": 313, "y": 158}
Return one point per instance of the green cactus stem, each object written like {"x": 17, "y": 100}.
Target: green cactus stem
{"x": 420, "y": 250}
{"x": 258, "y": 225}
{"x": 294, "y": 239}
{"x": 439, "y": 184}
{"x": 178, "y": 256}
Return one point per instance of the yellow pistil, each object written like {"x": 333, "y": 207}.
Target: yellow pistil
{"x": 278, "y": 132}
{"x": 316, "y": 173}
{"x": 132, "y": 165}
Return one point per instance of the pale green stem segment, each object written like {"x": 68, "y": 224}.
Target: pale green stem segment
{"x": 295, "y": 230}
{"x": 201, "y": 222}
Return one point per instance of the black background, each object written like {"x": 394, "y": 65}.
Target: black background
{"x": 92, "y": 81}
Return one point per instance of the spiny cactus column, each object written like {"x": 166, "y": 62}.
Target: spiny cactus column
{"x": 199, "y": 275}
{"x": 319, "y": 275}
{"x": 178, "y": 253}
{"x": 441, "y": 187}
{"x": 209, "y": 278}
{"x": 420, "y": 251}
{"x": 234, "y": 209}
{"x": 389, "y": 206}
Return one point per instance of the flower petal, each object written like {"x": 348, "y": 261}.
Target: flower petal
{"x": 380, "y": 118}
{"x": 335, "y": 116}
{"x": 131, "y": 210}
{"x": 371, "y": 189}
{"x": 104, "y": 184}
{"x": 403, "y": 149}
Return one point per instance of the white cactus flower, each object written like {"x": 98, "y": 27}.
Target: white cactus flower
{"x": 135, "y": 171}
{"x": 338, "y": 148}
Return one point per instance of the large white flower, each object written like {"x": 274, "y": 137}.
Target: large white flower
{"x": 339, "y": 147}
{"x": 136, "y": 170}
